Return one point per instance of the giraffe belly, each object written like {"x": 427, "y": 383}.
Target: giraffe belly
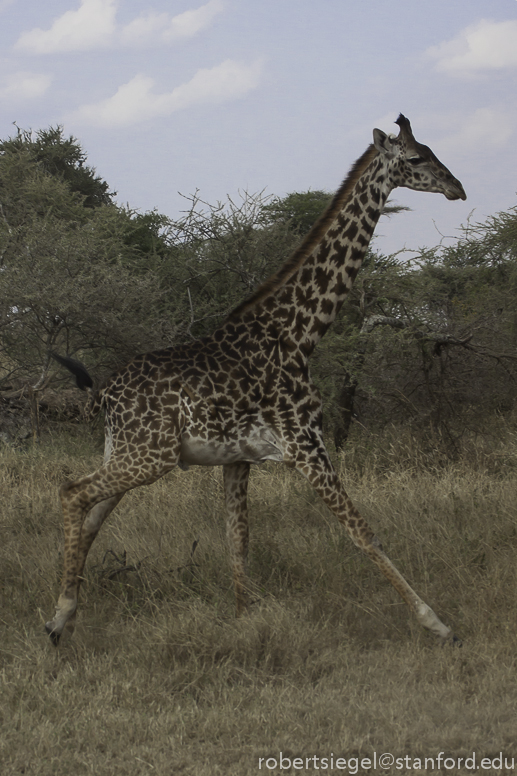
{"x": 260, "y": 445}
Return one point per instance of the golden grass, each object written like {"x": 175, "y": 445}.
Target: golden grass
{"x": 159, "y": 677}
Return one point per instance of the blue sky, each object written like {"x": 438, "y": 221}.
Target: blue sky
{"x": 230, "y": 95}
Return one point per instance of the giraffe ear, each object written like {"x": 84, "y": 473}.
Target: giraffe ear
{"x": 383, "y": 143}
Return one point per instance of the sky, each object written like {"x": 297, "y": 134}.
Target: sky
{"x": 226, "y": 96}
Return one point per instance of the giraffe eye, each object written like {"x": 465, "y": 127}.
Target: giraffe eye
{"x": 415, "y": 160}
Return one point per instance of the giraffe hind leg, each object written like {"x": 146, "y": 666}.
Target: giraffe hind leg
{"x": 99, "y": 492}
{"x": 91, "y": 526}
{"x": 85, "y": 507}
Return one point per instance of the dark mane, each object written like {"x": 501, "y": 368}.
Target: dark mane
{"x": 311, "y": 239}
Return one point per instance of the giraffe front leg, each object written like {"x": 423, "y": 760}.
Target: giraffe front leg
{"x": 236, "y": 477}
{"x": 423, "y": 613}
{"x": 323, "y": 477}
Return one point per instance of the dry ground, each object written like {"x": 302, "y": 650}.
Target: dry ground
{"x": 159, "y": 678}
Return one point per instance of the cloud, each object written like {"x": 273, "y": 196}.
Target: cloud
{"x": 481, "y": 132}
{"x": 24, "y": 86}
{"x": 143, "y": 28}
{"x": 486, "y": 45}
{"x": 152, "y": 27}
{"x": 93, "y": 25}
{"x": 136, "y": 101}
{"x": 191, "y": 22}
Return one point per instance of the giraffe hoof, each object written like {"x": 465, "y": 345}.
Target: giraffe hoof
{"x": 53, "y": 634}
{"x": 452, "y": 641}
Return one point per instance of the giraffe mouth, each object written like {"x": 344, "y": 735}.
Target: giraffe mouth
{"x": 455, "y": 191}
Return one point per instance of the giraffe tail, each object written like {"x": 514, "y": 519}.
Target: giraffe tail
{"x": 83, "y": 381}
{"x": 82, "y": 378}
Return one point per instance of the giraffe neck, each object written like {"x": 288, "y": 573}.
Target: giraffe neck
{"x": 299, "y": 302}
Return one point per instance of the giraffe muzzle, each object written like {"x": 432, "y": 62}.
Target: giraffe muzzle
{"x": 455, "y": 191}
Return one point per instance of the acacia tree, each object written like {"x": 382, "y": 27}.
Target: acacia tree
{"x": 217, "y": 254}
{"x": 433, "y": 340}
{"x": 427, "y": 342}
{"x": 67, "y": 279}
{"x": 61, "y": 158}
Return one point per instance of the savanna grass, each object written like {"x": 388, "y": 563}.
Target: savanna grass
{"x": 160, "y": 678}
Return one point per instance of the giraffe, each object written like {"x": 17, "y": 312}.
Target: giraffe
{"x": 244, "y": 395}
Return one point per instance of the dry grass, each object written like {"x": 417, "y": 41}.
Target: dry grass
{"x": 159, "y": 678}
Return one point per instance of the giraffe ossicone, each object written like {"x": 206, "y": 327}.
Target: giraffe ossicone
{"x": 244, "y": 394}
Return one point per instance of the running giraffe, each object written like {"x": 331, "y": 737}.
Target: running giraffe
{"x": 244, "y": 395}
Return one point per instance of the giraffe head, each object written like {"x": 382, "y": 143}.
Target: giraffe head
{"x": 414, "y": 165}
